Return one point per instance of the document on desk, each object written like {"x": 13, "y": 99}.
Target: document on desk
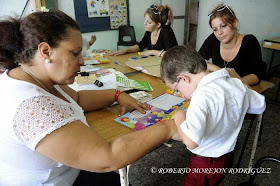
{"x": 149, "y": 65}
{"x": 137, "y": 121}
{"x": 166, "y": 101}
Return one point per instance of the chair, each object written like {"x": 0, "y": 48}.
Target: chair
{"x": 258, "y": 165}
{"x": 126, "y": 36}
{"x": 261, "y": 88}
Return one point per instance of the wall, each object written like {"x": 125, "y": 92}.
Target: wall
{"x": 14, "y": 8}
{"x": 257, "y": 17}
{"x": 136, "y": 13}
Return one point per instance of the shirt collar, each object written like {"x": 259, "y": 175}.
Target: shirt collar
{"x": 213, "y": 76}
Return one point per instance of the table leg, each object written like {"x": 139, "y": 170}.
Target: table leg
{"x": 270, "y": 65}
{"x": 255, "y": 142}
{"x": 277, "y": 92}
{"x": 124, "y": 176}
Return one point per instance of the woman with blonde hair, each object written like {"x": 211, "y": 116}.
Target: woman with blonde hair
{"x": 159, "y": 37}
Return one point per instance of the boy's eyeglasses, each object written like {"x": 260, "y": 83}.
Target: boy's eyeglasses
{"x": 175, "y": 90}
{"x": 220, "y": 9}
{"x": 156, "y": 11}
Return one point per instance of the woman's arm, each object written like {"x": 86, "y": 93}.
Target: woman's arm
{"x": 91, "y": 100}
{"x": 159, "y": 53}
{"x": 250, "y": 79}
{"x": 211, "y": 67}
{"x": 78, "y": 146}
{"x": 134, "y": 48}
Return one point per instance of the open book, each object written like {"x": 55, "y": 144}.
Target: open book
{"x": 162, "y": 108}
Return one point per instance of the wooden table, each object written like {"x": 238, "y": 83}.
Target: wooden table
{"x": 273, "y": 44}
{"x": 103, "y": 120}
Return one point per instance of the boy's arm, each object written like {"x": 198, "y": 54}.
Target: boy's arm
{"x": 179, "y": 118}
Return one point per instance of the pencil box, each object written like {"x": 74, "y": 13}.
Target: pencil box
{"x": 102, "y": 59}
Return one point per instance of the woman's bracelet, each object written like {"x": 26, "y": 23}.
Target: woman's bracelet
{"x": 159, "y": 55}
{"x": 117, "y": 94}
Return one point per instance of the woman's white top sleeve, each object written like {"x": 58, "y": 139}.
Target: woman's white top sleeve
{"x": 38, "y": 116}
{"x": 28, "y": 114}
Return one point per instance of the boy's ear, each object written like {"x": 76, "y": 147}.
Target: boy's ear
{"x": 184, "y": 78}
{"x": 45, "y": 50}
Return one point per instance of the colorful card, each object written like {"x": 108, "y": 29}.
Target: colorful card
{"x": 137, "y": 121}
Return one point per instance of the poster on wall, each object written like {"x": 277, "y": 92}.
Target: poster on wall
{"x": 98, "y": 8}
{"x": 118, "y": 13}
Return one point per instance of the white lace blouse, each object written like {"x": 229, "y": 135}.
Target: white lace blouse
{"x": 28, "y": 114}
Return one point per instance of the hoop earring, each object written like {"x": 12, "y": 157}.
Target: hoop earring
{"x": 47, "y": 61}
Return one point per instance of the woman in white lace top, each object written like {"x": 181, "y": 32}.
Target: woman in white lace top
{"x": 44, "y": 136}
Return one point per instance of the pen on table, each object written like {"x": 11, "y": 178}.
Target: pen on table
{"x": 117, "y": 63}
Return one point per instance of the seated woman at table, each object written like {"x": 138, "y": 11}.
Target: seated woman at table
{"x": 45, "y": 138}
{"x": 240, "y": 54}
{"x": 158, "y": 37}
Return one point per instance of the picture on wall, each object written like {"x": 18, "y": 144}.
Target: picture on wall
{"x": 118, "y": 13}
{"x": 98, "y": 8}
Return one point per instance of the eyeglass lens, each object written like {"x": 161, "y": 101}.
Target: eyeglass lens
{"x": 175, "y": 90}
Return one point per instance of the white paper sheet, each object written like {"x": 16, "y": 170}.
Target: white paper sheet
{"x": 166, "y": 101}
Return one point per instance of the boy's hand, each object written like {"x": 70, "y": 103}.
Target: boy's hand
{"x": 179, "y": 117}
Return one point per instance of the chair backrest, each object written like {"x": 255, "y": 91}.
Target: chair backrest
{"x": 127, "y": 36}
{"x": 264, "y": 72}
{"x": 258, "y": 165}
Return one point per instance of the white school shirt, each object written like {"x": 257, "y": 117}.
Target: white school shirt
{"x": 216, "y": 113}
{"x": 28, "y": 114}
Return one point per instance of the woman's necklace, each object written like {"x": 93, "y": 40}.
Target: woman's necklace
{"x": 225, "y": 63}
{"x": 29, "y": 73}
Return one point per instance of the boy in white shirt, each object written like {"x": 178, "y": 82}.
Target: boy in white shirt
{"x": 211, "y": 125}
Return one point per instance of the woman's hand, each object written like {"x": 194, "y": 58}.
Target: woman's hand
{"x": 147, "y": 53}
{"x": 118, "y": 53}
{"x": 233, "y": 73}
{"x": 126, "y": 101}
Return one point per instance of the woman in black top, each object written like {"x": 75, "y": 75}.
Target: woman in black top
{"x": 158, "y": 37}
{"x": 240, "y": 54}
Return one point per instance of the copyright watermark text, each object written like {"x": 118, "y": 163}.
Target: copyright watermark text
{"x": 175, "y": 170}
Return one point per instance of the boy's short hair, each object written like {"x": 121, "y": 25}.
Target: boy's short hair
{"x": 180, "y": 59}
